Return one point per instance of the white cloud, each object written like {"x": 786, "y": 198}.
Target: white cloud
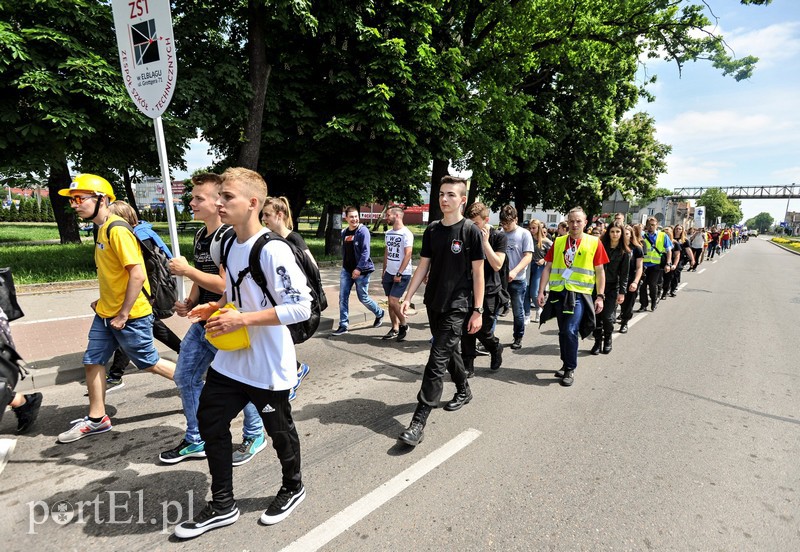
{"x": 789, "y": 174}
{"x": 689, "y": 171}
{"x": 772, "y": 44}
{"x": 197, "y": 157}
{"x": 724, "y": 130}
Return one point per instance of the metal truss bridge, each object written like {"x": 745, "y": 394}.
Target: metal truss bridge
{"x": 741, "y": 192}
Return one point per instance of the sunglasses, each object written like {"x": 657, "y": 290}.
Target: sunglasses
{"x": 79, "y": 200}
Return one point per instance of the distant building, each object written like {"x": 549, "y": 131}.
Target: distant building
{"x": 792, "y": 221}
{"x": 150, "y": 193}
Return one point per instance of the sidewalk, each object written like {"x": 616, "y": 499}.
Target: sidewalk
{"x": 53, "y": 344}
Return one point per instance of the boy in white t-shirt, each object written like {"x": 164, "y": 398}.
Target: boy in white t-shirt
{"x": 263, "y": 373}
{"x": 397, "y": 270}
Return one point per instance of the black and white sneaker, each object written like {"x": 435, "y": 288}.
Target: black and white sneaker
{"x": 210, "y": 518}
{"x": 402, "y": 333}
{"x": 341, "y": 330}
{"x": 379, "y": 320}
{"x": 282, "y": 506}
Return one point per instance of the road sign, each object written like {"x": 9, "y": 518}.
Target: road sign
{"x": 146, "y": 52}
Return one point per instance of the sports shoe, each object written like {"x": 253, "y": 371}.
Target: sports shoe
{"x": 379, "y": 320}
{"x": 402, "y": 333}
{"x": 249, "y": 448}
{"x": 209, "y": 518}
{"x": 83, "y": 428}
{"x": 27, "y": 413}
{"x": 391, "y": 334}
{"x": 560, "y": 372}
{"x": 497, "y": 358}
{"x": 113, "y": 384}
{"x": 6, "y": 450}
{"x": 480, "y": 349}
{"x": 536, "y": 315}
{"x": 282, "y": 506}
{"x": 183, "y": 451}
{"x": 643, "y": 308}
{"x": 526, "y": 320}
{"x": 569, "y": 378}
{"x": 517, "y": 344}
{"x": 341, "y": 330}
{"x": 302, "y": 372}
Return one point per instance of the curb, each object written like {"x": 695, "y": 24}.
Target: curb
{"x": 789, "y": 249}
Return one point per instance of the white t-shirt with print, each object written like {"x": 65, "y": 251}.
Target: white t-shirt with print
{"x": 396, "y": 243}
{"x": 270, "y": 362}
{"x": 520, "y": 242}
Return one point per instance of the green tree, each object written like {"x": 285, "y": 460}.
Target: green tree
{"x": 718, "y": 205}
{"x": 760, "y": 222}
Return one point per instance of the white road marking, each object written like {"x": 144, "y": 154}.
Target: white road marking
{"x": 636, "y": 318}
{"x": 701, "y": 270}
{"x": 341, "y": 522}
{"x": 681, "y": 286}
{"x": 53, "y": 319}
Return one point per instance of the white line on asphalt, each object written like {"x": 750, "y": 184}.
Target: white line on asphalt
{"x": 635, "y": 319}
{"x": 683, "y": 285}
{"x": 53, "y": 319}
{"x": 341, "y": 522}
{"x": 701, "y": 270}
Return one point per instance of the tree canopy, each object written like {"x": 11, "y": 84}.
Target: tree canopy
{"x": 718, "y": 206}
{"x": 761, "y": 222}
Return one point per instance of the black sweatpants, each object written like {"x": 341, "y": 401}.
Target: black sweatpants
{"x": 447, "y": 328}
{"x": 221, "y": 401}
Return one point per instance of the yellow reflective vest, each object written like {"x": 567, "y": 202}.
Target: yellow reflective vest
{"x": 581, "y": 276}
{"x": 651, "y": 256}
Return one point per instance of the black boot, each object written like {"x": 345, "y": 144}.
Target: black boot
{"x": 463, "y": 396}
{"x": 598, "y": 342}
{"x": 414, "y": 434}
{"x": 469, "y": 367}
{"x": 607, "y": 344}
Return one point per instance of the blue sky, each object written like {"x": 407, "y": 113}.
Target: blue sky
{"x": 722, "y": 132}
{"x": 743, "y": 133}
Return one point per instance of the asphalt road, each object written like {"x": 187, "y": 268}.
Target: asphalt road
{"x": 685, "y": 437}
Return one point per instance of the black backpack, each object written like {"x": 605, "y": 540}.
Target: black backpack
{"x": 300, "y": 331}
{"x": 12, "y": 370}
{"x": 163, "y": 288}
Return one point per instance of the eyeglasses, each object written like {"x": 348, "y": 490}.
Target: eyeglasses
{"x": 79, "y": 200}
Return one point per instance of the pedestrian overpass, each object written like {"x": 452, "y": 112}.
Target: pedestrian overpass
{"x": 740, "y": 192}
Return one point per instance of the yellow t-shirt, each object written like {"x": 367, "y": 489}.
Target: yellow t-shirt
{"x": 112, "y": 256}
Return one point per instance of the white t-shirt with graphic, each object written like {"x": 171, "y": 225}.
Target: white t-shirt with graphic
{"x": 520, "y": 242}
{"x": 270, "y": 362}
{"x": 396, "y": 243}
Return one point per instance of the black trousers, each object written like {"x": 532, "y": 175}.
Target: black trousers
{"x": 161, "y": 332}
{"x": 485, "y": 335}
{"x": 626, "y": 310}
{"x": 221, "y": 400}
{"x": 447, "y": 328}
{"x": 605, "y": 320}
{"x": 649, "y": 285}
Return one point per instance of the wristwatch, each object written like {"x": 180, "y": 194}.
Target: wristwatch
{"x": 479, "y": 310}
{"x": 398, "y": 275}
{"x": 601, "y": 296}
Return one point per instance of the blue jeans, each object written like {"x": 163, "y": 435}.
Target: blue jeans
{"x": 362, "y": 286}
{"x": 517, "y": 290}
{"x": 568, "y": 326}
{"x": 195, "y": 357}
{"x": 533, "y": 286}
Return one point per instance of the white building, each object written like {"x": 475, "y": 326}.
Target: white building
{"x": 150, "y": 193}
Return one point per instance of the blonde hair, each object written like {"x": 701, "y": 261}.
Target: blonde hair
{"x": 280, "y": 205}
{"x": 122, "y": 209}
{"x": 253, "y": 182}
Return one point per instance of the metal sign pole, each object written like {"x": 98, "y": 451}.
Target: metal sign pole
{"x": 161, "y": 146}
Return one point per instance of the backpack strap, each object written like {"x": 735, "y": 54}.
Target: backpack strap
{"x": 146, "y": 251}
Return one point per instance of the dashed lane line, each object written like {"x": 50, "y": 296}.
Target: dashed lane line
{"x": 341, "y": 522}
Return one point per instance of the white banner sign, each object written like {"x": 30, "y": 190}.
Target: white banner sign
{"x": 146, "y": 52}
{"x": 699, "y": 217}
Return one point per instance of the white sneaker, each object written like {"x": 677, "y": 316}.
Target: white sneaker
{"x": 6, "y": 450}
{"x": 527, "y": 320}
{"x": 536, "y": 316}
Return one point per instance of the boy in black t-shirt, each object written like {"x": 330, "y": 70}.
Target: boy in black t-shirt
{"x": 452, "y": 259}
{"x": 494, "y": 246}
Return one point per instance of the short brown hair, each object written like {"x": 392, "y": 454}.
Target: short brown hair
{"x": 254, "y": 182}
{"x": 207, "y": 178}
{"x": 477, "y": 209}
{"x": 349, "y": 209}
{"x": 508, "y": 213}
{"x": 455, "y": 180}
